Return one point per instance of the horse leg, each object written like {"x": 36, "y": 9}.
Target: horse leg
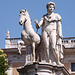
{"x": 19, "y": 46}
{"x": 33, "y": 47}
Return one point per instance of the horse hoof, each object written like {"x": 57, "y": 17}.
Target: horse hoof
{"x": 19, "y": 53}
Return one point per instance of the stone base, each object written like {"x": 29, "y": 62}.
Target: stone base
{"x": 42, "y": 69}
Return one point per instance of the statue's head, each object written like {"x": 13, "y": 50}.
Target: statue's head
{"x": 50, "y": 6}
{"x": 22, "y": 16}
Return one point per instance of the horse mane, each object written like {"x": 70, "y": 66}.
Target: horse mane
{"x": 28, "y": 16}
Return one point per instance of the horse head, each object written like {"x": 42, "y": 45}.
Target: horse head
{"x": 23, "y": 16}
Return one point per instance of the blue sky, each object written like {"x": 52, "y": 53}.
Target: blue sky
{"x": 9, "y": 16}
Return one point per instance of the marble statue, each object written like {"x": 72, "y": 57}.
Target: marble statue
{"x": 8, "y": 34}
{"x": 51, "y": 33}
{"x": 28, "y": 35}
{"x": 47, "y": 58}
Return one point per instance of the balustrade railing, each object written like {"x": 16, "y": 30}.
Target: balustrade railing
{"x": 69, "y": 40}
{"x": 12, "y": 42}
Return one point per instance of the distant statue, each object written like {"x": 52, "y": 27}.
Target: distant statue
{"x": 51, "y": 32}
{"x": 28, "y": 35}
{"x": 8, "y": 34}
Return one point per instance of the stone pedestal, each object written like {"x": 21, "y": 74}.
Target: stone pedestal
{"x": 42, "y": 69}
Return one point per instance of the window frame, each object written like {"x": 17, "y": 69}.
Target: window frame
{"x": 70, "y": 62}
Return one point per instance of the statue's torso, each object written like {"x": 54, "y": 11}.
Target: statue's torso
{"x": 50, "y": 22}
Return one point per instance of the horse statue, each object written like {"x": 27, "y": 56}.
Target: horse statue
{"x": 28, "y": 35}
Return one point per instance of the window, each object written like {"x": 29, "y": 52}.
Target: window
{"x": 72, "y": 66}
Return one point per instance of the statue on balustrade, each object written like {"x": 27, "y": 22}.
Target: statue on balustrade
{"x": 51, "y": 34}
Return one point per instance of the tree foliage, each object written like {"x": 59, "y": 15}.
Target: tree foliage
{"x": 3, "y": 63}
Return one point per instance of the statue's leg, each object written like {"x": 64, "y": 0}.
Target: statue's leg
{"x": 53, "y": 45}
{"x": 46, "y": 45}
{"x": 59, "y": 55}
{"x": 33, "y": 55}
{"x": 52, "y": 40}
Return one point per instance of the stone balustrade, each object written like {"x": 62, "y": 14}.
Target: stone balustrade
{"x": 69, "y": 42}
{"x": 12, "y": 42}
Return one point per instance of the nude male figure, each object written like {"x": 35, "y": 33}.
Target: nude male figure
{"x": 51, "y": 27}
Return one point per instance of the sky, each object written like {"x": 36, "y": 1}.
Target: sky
{"x": 10, "y": 10}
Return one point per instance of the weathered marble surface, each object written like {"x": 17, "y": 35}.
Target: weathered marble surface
{"x": 51, "y": 34}
{"x": 46, "y": 58}
{"x": 42, "y": 69}
{"x": 50, "y": 49}
{"x": 28, "y": 35}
